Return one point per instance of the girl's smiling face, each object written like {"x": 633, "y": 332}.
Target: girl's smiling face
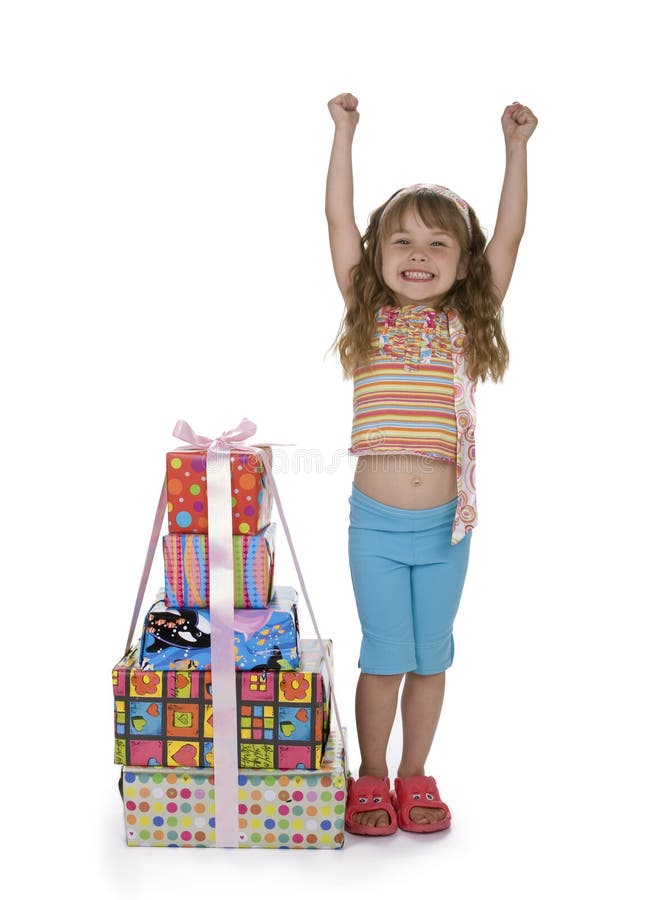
{"x": 420, "y": 263}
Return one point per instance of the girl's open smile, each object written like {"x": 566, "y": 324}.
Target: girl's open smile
{"x": 417, "y": 275}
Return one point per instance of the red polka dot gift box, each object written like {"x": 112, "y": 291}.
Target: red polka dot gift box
{"x": 252, "y": 499}
{"x": 296, "y": 809}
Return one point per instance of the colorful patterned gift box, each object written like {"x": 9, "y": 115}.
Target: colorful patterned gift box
{"x": 252, "y": 499}
{"x": 165, "y": 718}
{"x": 179, "y": 638}
{"x": 187, "y": 574}
{"x": 291, "y": 809}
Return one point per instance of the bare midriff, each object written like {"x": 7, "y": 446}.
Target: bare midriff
{"x": 406, "y": 481}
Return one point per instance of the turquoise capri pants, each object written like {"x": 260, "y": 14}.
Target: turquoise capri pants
{"x": 408, "y": 580}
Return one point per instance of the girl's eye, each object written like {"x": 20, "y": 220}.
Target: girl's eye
{"x": 433, "y": 243}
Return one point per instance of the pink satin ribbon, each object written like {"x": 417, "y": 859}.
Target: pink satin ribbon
{"x": 221, "y": 568}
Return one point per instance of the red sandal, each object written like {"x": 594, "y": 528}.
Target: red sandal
{"x": 418, "y": 790}
{"x": 369, "y": 793}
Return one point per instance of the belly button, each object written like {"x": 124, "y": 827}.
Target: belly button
{"x": 416, "y": 482}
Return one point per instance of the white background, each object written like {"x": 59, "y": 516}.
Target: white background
{"x": 164, "y": 255}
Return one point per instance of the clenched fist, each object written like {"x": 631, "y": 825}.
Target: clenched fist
{"x": 343, "y": 109}
{"x": 518, "y": 123}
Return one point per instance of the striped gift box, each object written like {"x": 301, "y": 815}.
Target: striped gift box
{"x": 187, "y": 577}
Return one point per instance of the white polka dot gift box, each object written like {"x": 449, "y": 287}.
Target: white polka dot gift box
{"x": 295, "y": 809}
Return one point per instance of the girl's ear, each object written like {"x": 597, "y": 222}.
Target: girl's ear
{"x": 462, "y": 269}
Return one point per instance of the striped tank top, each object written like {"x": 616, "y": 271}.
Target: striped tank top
{"x": 403, "y": 396}
{"x": 413, "y": 396}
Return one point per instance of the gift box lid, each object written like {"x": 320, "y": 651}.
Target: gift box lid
{"x": 311, "y": 658}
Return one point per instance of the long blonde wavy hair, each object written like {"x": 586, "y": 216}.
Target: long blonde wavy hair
{"x": 472, "y": 297}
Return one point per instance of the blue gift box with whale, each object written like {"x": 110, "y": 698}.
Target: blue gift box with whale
{"x": 178, "y": 638}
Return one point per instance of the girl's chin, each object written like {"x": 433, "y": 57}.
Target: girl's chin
{"x": 419, "y": 294}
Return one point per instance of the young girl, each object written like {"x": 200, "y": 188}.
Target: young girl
{"x": 423, "y": 324}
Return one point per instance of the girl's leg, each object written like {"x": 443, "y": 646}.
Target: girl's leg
{"x": 376, "y": 706}
{"x": 381, "y": 580}
{"x": 381, "y": 546}
{"x": 436, "y": 591}
{"x": 421, "y": 705}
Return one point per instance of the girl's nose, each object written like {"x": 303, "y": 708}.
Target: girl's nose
{"x": 418, "y": 253}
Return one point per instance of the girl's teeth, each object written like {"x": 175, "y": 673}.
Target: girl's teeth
{"x": 423, "y": 276}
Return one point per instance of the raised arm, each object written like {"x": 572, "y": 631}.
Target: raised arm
{"x": 518, "y": 124}
{"x": 344, "y": 236}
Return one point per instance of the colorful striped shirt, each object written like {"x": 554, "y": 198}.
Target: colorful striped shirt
{"x": 413, "y": 396}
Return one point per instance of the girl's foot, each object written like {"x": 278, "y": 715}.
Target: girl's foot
{"x": 418, "y": 804}
{"x": 420, "y": 815}
{"x": 374, "y": 819}
{"x": 424, "y": 815}
{"x": 369, "y": 807}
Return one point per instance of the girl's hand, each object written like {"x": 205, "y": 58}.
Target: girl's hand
{"x": 518, "y": 123}
{"x": 343, "y": 110}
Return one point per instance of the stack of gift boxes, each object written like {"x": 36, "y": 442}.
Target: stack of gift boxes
{"x": 291, "y": 779}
